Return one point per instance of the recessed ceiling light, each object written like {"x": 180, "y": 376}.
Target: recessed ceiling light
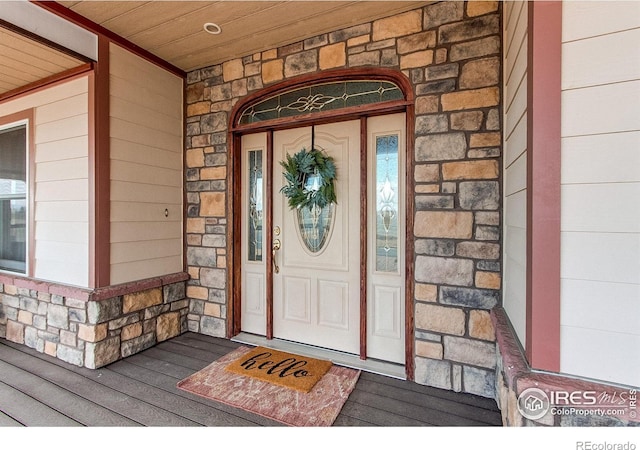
{"x": 212, "y": 28}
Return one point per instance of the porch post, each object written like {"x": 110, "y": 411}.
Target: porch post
{"x": 543, "y": 185}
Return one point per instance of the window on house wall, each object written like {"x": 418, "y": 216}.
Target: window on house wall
{"x": 13, "y": 198}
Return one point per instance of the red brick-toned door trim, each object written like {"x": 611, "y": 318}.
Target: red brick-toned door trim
{"x": 543, "y": 184}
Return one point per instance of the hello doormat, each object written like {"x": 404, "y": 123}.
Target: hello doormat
{"x": 318, "y": 407}
{"x": 285, "y": 369}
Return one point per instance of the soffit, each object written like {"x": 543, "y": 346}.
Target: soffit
{"x": 173, "y": 31}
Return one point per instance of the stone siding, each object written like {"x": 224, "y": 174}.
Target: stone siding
{"x": 450, "y": 52}
{"x": 92, "y": 328}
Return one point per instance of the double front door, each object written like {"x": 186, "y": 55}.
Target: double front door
{"x": 336, "y": 273}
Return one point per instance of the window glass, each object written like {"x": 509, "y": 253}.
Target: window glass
{"x": 13, "y": 199}
{"x": 255, "y": 205}
{"x": 387, "y": 203}
{"x": 321, "y": 97}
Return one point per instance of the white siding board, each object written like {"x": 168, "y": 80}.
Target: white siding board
{"x": 63, "y": 271}
{"x": 514, "y": 296}
{"x": 516, "y": 179}
{"x": 603, "y": 158}
{"x": 600, "y": 354}
{"x": 517, "y": 76}
{"x": 516, "y": 206}
{"x": 517, "y": 109}
{"x": 516, "y": 27}
{"x": 516, "y": 144}
{"x": 610, "y": 207}
{"x": 601, "y": 306}
{"x": 71, "y": 211}
{"x": 584, "y": 19}
{"x": 64, "y": 190}
{"x": 62, "y": 252}
{"x": 609, "y": 108}
{"x": 74, "y": 232}
{"x": 601, "y": 60}
{"x": 611, "y": 257}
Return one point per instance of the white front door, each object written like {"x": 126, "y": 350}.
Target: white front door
{"x": 316, "y": 296}
{"x": 316, "y": 291}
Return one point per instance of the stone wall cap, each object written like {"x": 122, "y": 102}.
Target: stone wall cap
{"x": 521, "y": 377}
{"x": 98, "y": 294}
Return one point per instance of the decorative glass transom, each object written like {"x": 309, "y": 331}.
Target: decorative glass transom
{"x": 321, "y": 97}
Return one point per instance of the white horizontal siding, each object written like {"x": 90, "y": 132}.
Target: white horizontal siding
{"x": 600, "y": 226}
{"x": 515, "y": 165}
{"x": 608, "y": 351}
{"x": 586, "y": 19}
{"x": 596, "y": 159}
{"x": 146, "y": 169}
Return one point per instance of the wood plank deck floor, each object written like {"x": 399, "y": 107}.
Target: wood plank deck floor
{"x": 38, "y": 390}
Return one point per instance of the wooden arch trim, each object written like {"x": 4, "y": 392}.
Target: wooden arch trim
{"x": 236, "y": 130}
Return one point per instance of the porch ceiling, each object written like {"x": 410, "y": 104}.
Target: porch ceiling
{"x": 173, "y": 30}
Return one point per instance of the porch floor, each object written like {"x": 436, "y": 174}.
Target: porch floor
{"x": 38, "y": 390}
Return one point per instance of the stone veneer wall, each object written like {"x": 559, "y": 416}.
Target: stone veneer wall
{"x": 92, "y": 328}
{"x": 450, "y": 51}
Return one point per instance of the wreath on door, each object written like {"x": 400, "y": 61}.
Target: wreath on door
{"x": 309, "y": 177}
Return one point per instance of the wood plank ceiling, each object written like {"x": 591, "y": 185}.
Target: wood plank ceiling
{"x": 174, "y": 31}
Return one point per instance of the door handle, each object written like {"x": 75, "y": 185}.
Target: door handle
{"x": 274, "y": 249}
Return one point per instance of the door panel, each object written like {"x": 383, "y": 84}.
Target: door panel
{"x": 386, "y": 261}
{"x": 316, "y": 296}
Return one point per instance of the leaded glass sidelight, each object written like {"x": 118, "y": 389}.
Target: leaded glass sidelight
{"x": 387, "y": 203}
{"x": 321, "y": 97}
{"x": 255, "y": 213}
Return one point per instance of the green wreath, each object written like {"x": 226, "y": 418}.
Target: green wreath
{"x": 309, "y": 176}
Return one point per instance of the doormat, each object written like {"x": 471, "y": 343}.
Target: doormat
{"x": 318, "y": 407}
{"x": 285, "y": 369}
